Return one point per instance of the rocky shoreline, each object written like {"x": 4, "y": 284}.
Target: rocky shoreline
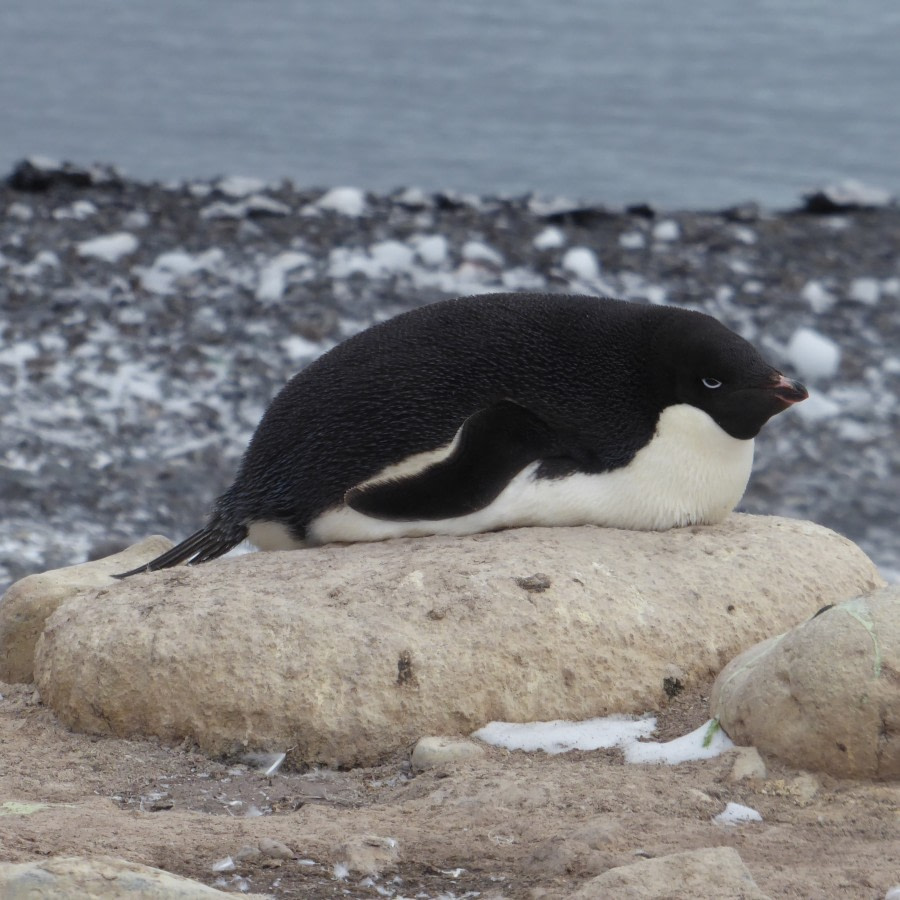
{"x": 145, "y": 326}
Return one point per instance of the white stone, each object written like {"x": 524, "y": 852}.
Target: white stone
{"x": 22, "y": 212}
{"x": 865, "y": 290}
{"x": 347, "y": 201}
{"x": 238, "y": 186}
{"x": 549, "y": 239}
{"x": 582, "y": 263}
{"x": 642, "y": 602}
{"x": 813, "y": 355}
{"x": 632, "y": 240}
{"x": 109, "y": 248}
{"x": 391, "y": 257}
{"x": 667, "y": 230}
{"x": 819, "y": 298}
{"x": 855, "y": 193}
{"x": 478, "y": 251}
{"x": 273, "y": 275}
{"x": 737, "y": 814}
{"x": 430, "y": 248}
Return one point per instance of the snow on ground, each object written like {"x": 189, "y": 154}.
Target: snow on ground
{"x": 625, "y": 732}
{"x": 132, "y": 375}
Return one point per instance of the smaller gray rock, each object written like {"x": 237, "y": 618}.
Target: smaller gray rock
{"x": 824, "y": 696}
{"x": 436, "y": 751}
{"x": 714, "y": 873}
{"x": 369, "y": 854}
{"x": 99, "y": 878}
{"x": 32, "y": 600}
{"x": 275, "y": 849}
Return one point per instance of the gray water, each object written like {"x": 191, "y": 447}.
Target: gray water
{"x": 685, "y": 105}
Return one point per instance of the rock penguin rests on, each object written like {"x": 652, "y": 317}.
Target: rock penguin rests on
{"x": 502, "y": 411}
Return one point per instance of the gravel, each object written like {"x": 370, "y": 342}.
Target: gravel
{"x": 144, "y": 327}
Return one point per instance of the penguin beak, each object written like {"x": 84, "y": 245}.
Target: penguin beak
{"x": 787, "y": 390}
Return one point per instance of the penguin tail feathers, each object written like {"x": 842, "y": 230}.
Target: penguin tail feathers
{"x": 210, "y": 542}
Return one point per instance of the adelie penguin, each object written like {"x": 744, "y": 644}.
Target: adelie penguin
{"x": 502, "y": 411}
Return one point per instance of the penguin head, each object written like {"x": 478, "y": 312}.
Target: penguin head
{"x": 710, "y": 367}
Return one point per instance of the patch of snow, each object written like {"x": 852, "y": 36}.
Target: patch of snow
{"x": 109, "y": 248}
{"x": 813, "y": 354}
{"x": 891, "y": 286}
{"x": 744, "y": 234}
{"x": 737, "y": 814}
{"x": 819, "y": 298}
{"x": 707, "y": 741}
{"x": 865, "y": 290}
{"x": 347, "y": 201}
{"x": 632, "y": 240}
{"x": 561, "y": 736}
{"x": 550, "y": 238}
{"x": 624, "y": 732}
{"x": 667, "y": 230}
{"x": 582, "y": 263}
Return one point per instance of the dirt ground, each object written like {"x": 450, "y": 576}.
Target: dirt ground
{"x": 510, "y": 825}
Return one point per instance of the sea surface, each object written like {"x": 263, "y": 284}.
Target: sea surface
{"x": 689, "y": 106}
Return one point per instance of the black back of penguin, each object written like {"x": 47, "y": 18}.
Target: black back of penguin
{"x": 405, "y": 386}
{"x": 596, "y": 373}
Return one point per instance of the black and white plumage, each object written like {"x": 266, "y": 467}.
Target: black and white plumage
{"x": 499, "y": 411}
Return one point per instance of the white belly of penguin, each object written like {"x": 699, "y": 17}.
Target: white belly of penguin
{"x": 690, "y": 473}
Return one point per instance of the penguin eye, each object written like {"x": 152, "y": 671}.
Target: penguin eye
{"x": 712, "y": 383}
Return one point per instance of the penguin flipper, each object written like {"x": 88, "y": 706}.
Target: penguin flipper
{"x": 492, "y": 446}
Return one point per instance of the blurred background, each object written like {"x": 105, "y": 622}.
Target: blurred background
{"x": 145, "y": 326}
{"x": 688, "y": 106}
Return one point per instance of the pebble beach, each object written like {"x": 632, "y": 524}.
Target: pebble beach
{"x": 145, "y": 326}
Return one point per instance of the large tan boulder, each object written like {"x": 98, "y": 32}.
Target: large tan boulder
{"x": 826, "y": 695}
{"x": 346, "y": 654}
{"x": 714, "y": 873}
{"x": 29, "y": 602}
{"x": 99, "y": 878}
